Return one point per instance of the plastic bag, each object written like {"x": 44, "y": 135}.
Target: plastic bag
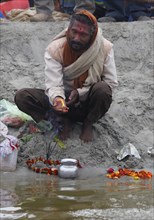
{"x": 11, "y": 115}
{"x": 8, "y": 150}
{"x": 128, "y": 149}
{"x": 3, "y": 129}
{"x": 9, "y": 144}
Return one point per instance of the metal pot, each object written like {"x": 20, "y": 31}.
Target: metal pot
{"x": 68, "y": 168}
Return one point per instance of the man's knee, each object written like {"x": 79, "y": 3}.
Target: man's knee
{"x": 20, "y": 96}
{"x": 101, "y": 88}
{"x": 102, "y": 94}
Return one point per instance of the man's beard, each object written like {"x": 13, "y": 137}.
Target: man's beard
{"x": 77, "y": 46}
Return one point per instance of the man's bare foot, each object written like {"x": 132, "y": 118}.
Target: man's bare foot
{"x": 67, "y": 126}
{"x": 87, "y": 132}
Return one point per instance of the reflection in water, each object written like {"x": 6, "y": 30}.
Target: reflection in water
{"x": 8, "y": 198}
{"x": 9, "y": 213}
{"x": 45, "y": 197}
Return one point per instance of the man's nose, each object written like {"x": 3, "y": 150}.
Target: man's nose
{"x": 77, "y": 37}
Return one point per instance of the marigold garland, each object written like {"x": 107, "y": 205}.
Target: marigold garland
{"x": 51, "y": 170}
{"x": 143, "y": 174}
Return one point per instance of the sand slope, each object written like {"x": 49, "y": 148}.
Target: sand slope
{"x": 130, "y": 119}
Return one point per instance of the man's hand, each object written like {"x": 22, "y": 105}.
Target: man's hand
{"x": 73, "y": 98}
{"x": 60, "y": 105}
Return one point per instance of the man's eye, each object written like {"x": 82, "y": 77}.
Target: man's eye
{"x": 73, "y": 32}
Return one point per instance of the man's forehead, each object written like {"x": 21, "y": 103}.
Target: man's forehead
{"x": 80, "y": 25}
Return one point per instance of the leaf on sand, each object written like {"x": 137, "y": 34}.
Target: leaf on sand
{"x": 59, "y": 142}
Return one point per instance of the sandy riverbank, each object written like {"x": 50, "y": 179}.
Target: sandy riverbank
{"x": 130, "y": 119}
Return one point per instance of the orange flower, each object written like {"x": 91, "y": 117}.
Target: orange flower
{"x": 143, "y": 174}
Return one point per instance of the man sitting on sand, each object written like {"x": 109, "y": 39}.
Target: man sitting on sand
{"x": 80, "y": 74}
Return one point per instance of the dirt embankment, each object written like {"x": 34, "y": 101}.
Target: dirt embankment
{"x": 130, "y": 119}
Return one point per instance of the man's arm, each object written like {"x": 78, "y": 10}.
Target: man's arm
{"x": 109, "y": 71}
{"x": 53, "y": 78}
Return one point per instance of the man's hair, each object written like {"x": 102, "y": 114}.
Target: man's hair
{"x": 83, "y": 19}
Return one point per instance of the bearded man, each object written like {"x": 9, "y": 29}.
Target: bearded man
{"x": 80, "y": 75}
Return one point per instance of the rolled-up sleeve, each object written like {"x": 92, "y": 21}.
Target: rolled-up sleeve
{"x": 53, "y": 78}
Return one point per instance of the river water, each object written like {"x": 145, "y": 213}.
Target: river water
{"x": 28, "y": 195}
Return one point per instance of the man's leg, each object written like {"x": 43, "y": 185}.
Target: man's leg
{"x": 33, "y": 102}
{"x": 31, "y": 3}
{"x": 100, "y": 9}
{"x": 67, "y": 6}
{"x": 139, "y": 11}
{"x": 115, "y": 11}
{"x": 99, "y": 101}
{"x": 91, "y": 108}
{"x": 44, "y": 10}
{"x": 88, "y": 5}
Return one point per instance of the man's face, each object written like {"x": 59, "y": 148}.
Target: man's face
{"x": 79, "y": 36}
